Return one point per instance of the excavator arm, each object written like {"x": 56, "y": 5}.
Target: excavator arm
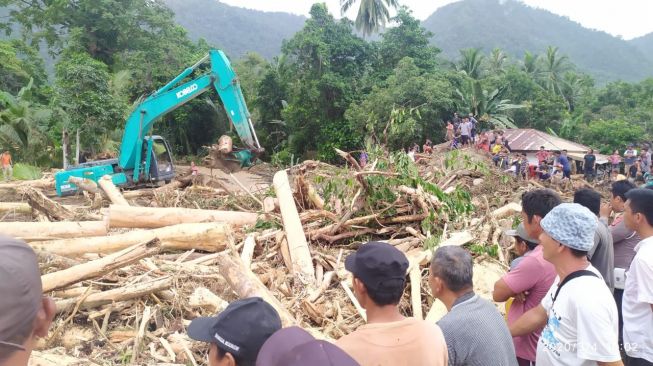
{"x": 172, "y": 96}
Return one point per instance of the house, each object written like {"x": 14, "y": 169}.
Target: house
{"x": 528, "y": 141}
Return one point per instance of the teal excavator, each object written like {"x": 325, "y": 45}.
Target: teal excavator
{"x": 146, "y": 158}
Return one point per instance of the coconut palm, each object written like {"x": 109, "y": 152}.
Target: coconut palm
{"x": 471, "y": 62}
{"x": 552, "y": 68}
{"x": 529, "y": 64}
{"x": 372, "y": 14}
{"x": 496, "y": 62}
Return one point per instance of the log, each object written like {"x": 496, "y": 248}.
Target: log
{"x": 156, "y": 217}
{"x": 61, "y": 279}
{"x": 31, "y": 231}
{"x": 210, "y": 237}
{"x": 141, "y": 193}
{"x": 119, "y": 294}
{"x": 53, "y": 210}
{"x": 246, "y": 284}
{"x": 112, "y": 191}
{"x": 270, "y": 204}
{"x": 85, "y": 184}
{"x": 248, "y": 250}
{"x": 506, "y": 210}
{"x": 299, "y": 251}
{"x": 415, "y": 276}
{"x": 17, "y": 207}
{"x": 314, "y": 197}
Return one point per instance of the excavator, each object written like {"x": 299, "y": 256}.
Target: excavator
{"x": 145, "y": 158}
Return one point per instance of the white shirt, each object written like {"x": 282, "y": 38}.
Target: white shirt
{"x": 637, "y": 300}
{"x": 582, "y": 327}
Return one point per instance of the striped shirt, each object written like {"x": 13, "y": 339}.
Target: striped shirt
{"x": 476, "y": 334}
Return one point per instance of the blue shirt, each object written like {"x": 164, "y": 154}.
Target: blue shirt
{"x": 564, "y": 161}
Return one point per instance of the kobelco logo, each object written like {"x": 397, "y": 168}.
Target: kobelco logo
{"x": 187, "y": 90}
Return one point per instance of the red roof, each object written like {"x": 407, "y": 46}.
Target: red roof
{"x": 528, "y": 139}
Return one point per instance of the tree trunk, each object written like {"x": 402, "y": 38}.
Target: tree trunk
{"x": 64, "y": 148}
{"x": 18, "y": 207}
{"x": 210, "y": 237}
{"x": 61, "y": 279}
{"x": 155, "y": 217}
{"x": 77, "y": 148}
{"x": 32, "y": 231}
{"x": 112, "y": 191}
{"x": 53, "y": 210}
{"x": 299, "y": 252}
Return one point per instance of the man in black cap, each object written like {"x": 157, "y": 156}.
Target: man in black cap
{"x": 388, "y": 338}
{"x": 293, "y": 346}
{"x": 25, "y": 314}
{"x": 238, "y": 332}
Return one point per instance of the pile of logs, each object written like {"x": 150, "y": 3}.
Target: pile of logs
{"x": 128, "y": 274}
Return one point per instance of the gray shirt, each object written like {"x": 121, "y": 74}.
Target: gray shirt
{"x": 476, "y": 334}
{"x": 466, "y": 128}
{"x": 602, "y": 254}
{"x": 624, "y": 242}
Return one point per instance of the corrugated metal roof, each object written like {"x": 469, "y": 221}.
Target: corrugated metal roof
{"x": 528, "y": 139}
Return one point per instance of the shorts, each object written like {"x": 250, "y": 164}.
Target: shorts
{"x": 465, "y": 139}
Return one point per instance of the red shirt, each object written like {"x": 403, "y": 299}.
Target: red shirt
{"x": 542, "y": 155}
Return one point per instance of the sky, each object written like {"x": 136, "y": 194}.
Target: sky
{"x": 622, "y": 18}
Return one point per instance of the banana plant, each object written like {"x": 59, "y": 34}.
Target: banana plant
{"x": 488, "y": 106}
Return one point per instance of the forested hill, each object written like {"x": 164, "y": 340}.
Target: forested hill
{"x": 236, "y": 30}
{"x": 515, "y": 28}
{"x": 645, "y": 44}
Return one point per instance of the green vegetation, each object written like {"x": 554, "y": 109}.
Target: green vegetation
{"x": 26, "y": 172}
{"x": 328, "y": 87}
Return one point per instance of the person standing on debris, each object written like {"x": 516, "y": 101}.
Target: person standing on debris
{"x": 589, "y": 164}
{"x": 527, "y": 282}
{"x": 563, "y": 163}
{"x": 630, "y": 157}
{"x": 638, "y": 294}
{"x": 450, "y": 132}
{"x": 25, "y": 314}
{"x": 473, "y": 328}
{"x": 7, "y": 170}
{"x": 615, "y": 160}
{"x": 456, "y": 121}
{"x": 624, "y": 241}
{"x": 542, "y": 155}
{"x": 466, "y": 131}
{"x": 237, "y": 333}
{"x": 578, "y": 311}
{"x": 474, "y": 126}
{"x": 427, "y": 148}
{"x": 293, "y": 346}
{"x": 388, "y": 338}
{"x": 645, "y": 158}
{"x": 601, "y": 255}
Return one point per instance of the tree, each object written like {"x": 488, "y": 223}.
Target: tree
{"x": 488, "y": 106}
{"x": 471, "y": 62}
{"x": 529, "y": 64}
{"x": 552, "y": 68}
{"x": 610, "y": 135}
{"x": 23, "y": 124}
{"x": 372, "y": 14}
{"x": 496, "y": 62}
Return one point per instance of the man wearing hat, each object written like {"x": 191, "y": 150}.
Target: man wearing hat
{"x": 528, "y": 282}
{"x": 236, "y": 334}
{"x": 293, "y": 346}
{"x": 388, "y": 338}
{"x": 25, "y": 314}
{"x": 578, "y": 311}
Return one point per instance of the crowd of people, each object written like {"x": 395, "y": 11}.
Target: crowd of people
{"x": 581, "y": 293}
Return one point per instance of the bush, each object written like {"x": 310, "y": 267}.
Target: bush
{"x": 26, "y": 172}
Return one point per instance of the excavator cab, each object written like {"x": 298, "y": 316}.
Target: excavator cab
{"x": 161, "y": 166}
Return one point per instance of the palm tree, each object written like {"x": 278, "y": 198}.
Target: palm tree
{"x": 574, "y": 86}
{"x": 529, "y": 65}
{"x": 372, "y": 14}
{"x": 496, "y": 61}
{"x": 470, "y": 63}
{"x": 553, "y": 67}
{"x": 23, "y": 124}
{"x": 488, "y": 106}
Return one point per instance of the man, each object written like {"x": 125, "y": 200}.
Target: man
{"x": 466, "y": 131}
{"x": 294, "y": 346}
{"x": 25, "y": 314}
{"x": 388, "y": 338}
{"x": 624, "y": 241}
{"x": 638, "y": 294}
{"x": 602, "y": 253}
{"x": 645, "y": 157}
{"x": 588, "y": 165}
{"x": 474, "y": 330}
{"x": 474, "y": 126}
{"x": 535, "y": 205}
{"x": 456, "y": 121}
{"x": 237, "y": 333}
{"x": 579, "y": 312}
{"x": 542, "y": 155}
{"x": 563, "y": 163}
{"x": 527, "y": 282}
{"x": 630, "y": 156}
{"x": 523, "y": 244}
{"x": 6, "y": 162}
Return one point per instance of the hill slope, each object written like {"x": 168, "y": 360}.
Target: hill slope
{"x": 515, "y": 28}
{"x": 235, "y": 30}
{"x": 644, "y": 44}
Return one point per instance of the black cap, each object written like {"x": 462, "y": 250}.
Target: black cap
{"x": 379, "y": 265}
{"x": 240, "y": 329}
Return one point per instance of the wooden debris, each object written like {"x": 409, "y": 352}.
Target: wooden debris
{"x": 156, "y": 217}
{"x": 33, "y": 231}
{"x": 112, "y": 191}
{"x": 507, "y": 210}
